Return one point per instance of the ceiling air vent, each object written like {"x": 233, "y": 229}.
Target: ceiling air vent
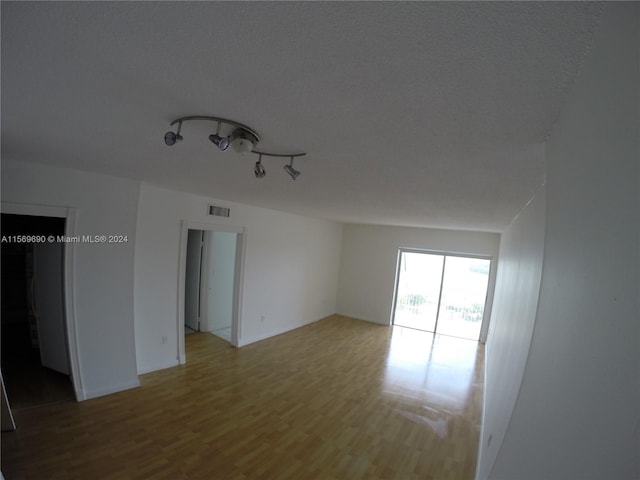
{"x": 219, "y": 211}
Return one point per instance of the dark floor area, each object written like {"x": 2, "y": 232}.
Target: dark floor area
{"x": 27, "y": 382}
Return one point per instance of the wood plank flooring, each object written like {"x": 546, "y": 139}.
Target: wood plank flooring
{"x": 337, "y": 399}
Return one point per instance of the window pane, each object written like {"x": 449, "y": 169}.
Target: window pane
{"x": 418, "y": 290}
{"x": 464, "y": 291}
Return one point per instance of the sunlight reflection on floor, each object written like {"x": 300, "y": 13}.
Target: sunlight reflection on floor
{"x": 435, "y": 370}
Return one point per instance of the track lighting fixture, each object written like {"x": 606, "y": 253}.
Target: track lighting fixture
{"x": 242, "y": 138}
{"x": 291, "y": 171}
{"x": 171, "y": 138}
{"x": 221, "y": 142}
{"x": 259, "y": 170}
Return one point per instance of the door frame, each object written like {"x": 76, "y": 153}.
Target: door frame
{"x": 486, "y": 314}
{"x": 68, "y": 284}
{"x": 236, "y": 325}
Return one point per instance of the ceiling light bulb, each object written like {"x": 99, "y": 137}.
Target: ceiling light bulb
{"x": 171, "y": 138}
{"x": 259, "y": 170}
{"x": 242, "y": 141}
{"x": 242, "y": 145}
{"x": 221, "y": 142}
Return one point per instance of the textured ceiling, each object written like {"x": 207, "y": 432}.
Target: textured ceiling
{"x": 416, "y": 113}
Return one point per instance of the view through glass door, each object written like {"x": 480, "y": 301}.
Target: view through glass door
{"x": 441, "y": 293}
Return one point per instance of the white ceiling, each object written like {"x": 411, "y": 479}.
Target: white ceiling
{"x": 416, "y": 113}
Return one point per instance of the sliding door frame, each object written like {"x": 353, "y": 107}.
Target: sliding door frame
{"x": 486, "y": 314}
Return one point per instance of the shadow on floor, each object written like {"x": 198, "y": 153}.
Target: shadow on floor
{"x": 27, "y": 382}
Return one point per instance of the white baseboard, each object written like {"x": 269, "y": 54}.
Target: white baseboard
{"x": 360, "y": 317}
{"x": 158, "y": 366}
{"x": 101, "y": 392}
{"x": 242, "y": 342}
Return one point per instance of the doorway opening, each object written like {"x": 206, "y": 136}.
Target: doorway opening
{"x": 35, "y": 354}
{"x": 210, "y": 283}
{"x": 441, "y": 293}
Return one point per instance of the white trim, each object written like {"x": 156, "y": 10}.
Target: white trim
{"x": 73, "y": 341}
{"x": 112, "y": 389}
{"x": 213, "y": 227}
{"x": 157, "y": 366}
{"x": 280, "y": 331}
{"x": 182, "y": 273}
{"x": 34, "y": 209}
{"x": 264, "y": 336}
{"x": 236, "y": 326}
{"x": 68, "y": 213}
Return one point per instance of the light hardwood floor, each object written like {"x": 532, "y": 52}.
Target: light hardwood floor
{"x": 337, "y": 399}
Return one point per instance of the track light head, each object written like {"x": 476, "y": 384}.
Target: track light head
{"x": 259, "y": 170}
{"x": 221, "y": 142}
{"x": 291, "y": 171}
{"x": 171, "y": 138}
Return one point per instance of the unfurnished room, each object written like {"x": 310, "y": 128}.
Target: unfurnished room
{"x": 320, "y": 240}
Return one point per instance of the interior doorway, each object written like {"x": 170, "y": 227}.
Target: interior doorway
{"x": 211, "y": 269}
{"x": 193, "y": 281}
{"x": 35, "y": 353}
{"x": 209, "y": 282}
{"x": 441, "y": 293}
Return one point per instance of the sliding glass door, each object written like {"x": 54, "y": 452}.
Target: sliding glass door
{"x": 441, "y": 293}
{"x": 418, "y": 290}
{"x": 464, "y": 293}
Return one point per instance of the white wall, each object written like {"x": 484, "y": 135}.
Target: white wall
{"x": 102, "y": 273}
{"x": 514, "y": 310}
{"x": 290, "y": 269}
{"x": 369, "y": 259}
{"x": 577, "y": 415}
